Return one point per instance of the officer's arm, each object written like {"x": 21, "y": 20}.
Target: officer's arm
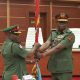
{"x": 65, "y": 43}
{"x": 45, "y": 46}
{"x": 20, "y": 51}
{"x": 55, "y": 49}
{"x": 33, "y": 50}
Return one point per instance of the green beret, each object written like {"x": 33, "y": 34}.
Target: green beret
{"x": 9, "y": 28}
{"x": 12, "y": 29}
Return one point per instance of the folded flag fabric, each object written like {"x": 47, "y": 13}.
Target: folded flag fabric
{"x": 36, "y": 71}
{"x": 39, "y": 72}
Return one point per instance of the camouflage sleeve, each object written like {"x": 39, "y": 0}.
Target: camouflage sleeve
{"x": 68, "y": 40}
{"x": 49, "y": 38}
{"x": 19, "y": 50}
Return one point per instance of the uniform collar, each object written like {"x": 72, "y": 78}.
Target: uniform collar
{"x": 66, "y": 30}
{"x": 8, "y": 39}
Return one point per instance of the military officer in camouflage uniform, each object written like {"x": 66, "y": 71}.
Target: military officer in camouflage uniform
{"x": 59, "y": 48}
{"x": 14, "y": 54}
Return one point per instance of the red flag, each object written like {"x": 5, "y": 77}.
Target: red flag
{"x": 37, "y": 17}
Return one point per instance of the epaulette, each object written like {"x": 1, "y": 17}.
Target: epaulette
{"x": 69, "y": 31}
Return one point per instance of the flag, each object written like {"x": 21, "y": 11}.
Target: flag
{"x": 37, "y": 20}
{"x": 36, "y": 71}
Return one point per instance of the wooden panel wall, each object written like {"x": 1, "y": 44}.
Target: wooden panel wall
{"x": 45, "y": 72}
{"x": 1, "y": 65}
{"x": 43, "y": 65}
{"x": 3, "y": 21}
{"x": 76, "y": 63}
{"x": 73, "y": 13}
{"x": 19, "y": 14}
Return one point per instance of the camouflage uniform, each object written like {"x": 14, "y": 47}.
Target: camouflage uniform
{"x": 14, "y": 56}
{"x": 61, "y": 63}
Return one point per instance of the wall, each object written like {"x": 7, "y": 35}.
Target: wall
{"x": 19, "y": 14}
{"x": 73, "y": 13}
{"x": 43, "y": 65}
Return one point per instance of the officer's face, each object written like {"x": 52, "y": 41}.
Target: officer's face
{"x": 61, "y": 26}
{"x": 15, "y": 37}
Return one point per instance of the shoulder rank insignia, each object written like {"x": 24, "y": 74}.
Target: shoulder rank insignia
{"x": 70, "y": 37}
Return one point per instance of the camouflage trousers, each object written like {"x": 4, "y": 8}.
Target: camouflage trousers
{"x": 62, "y": 76}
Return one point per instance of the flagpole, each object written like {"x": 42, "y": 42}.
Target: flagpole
{"x": 8, "y": 13}
{"x": 37, "y": 15}
{"x": 51, "y": 15}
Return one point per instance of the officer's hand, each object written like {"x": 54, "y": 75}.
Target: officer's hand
{"x": 38, "y": 55}
{"x": 30, "y": 61}
{"x": 36, "y": 45}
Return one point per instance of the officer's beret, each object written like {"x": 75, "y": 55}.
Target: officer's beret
{"x": 62, "y": 17}
{"x": 12, "y": 29}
